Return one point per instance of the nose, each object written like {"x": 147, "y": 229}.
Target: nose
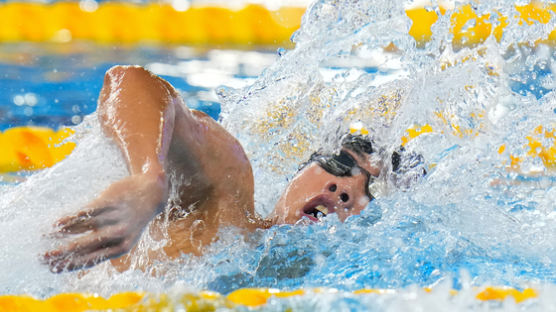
{"x": 342, "y": 195}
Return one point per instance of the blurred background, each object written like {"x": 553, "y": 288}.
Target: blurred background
{"x": 53, "y": 54}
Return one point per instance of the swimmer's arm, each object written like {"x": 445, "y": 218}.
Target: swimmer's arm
{"x": 137, "y": 110}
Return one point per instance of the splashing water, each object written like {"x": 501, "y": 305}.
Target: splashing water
{"x": 487, "y": 116}
{"x": 482, "y": 115}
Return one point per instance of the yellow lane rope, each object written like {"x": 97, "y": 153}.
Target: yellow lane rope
{"x": 210, "y": 301}
{"x": 541, "y": 143}
{"x": 32, "y": 148}
{"x": 484, "y": 25}
{"x": 115, "y": 22}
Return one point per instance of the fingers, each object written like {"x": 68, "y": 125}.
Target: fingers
{"x": 59, "y": 263}
{"x": 86, "y": 220}
{"x": 85, "y": 252}
{"x": 84, "y": 214}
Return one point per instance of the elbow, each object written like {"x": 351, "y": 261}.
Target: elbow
{"x": 118, "y": 71}
{"x": 126, "y": 86}
{"x": 121, "y": 77}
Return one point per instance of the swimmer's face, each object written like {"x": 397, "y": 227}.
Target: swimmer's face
{"x": 315, "y": 192}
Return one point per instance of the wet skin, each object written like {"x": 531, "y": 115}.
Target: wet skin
{"x": 315, "y": 192}
{"x": 158, "y": 134}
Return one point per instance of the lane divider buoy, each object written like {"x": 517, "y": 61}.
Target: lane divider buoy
{"x": 33, "y": 148}
{"x": 64, "y": 21}
{"x": 125, "y": 22}
{"x": 209, "y": 301}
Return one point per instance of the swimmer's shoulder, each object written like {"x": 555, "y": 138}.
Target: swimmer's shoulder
{"x": 222, "y": 158}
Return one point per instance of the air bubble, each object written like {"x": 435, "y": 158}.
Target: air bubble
{"x": 75, "y": 119}
{"x": 19, "y": 100}
{"x": 31, "y": 99}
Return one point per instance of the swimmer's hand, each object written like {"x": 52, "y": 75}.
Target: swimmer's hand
{"x": 111, "y": 224}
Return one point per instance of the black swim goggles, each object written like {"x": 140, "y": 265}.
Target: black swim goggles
{"x": 341, "y": 165}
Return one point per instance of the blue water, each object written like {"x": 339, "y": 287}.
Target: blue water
{"x": 363, "y": 254}
{"x": 57, "y": 85}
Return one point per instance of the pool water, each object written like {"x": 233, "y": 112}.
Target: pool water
{"x": 482, "y": 117}
{"x": 57, "y": 85}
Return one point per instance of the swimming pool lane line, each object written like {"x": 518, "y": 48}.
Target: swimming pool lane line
{"x": 35, "y": 148}
{"x": 208, "y": 301}
{"x": 251, "y": 25}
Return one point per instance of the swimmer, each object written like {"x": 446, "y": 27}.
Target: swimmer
{"x": 158, "y": 134}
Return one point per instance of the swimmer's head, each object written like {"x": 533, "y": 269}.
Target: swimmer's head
{"x": 327, "y": 184}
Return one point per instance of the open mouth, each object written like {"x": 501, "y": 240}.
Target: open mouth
{"x": 317, "y": 209}
{"x": 318, "y": 212}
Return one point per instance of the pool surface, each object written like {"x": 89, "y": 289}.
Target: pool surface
{"x": 55, "y": 85}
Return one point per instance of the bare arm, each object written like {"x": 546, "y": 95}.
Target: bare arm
{"x": 136, "y": 109}
{"x": 156, "y": 132}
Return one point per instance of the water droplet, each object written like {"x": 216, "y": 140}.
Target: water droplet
{"x": 88, "y": 5}
{"x": 181, "y": 5}
{"x": 75, "y": 119}
{"x": 19, "y": 100}
{"x": 31, "y": 99}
